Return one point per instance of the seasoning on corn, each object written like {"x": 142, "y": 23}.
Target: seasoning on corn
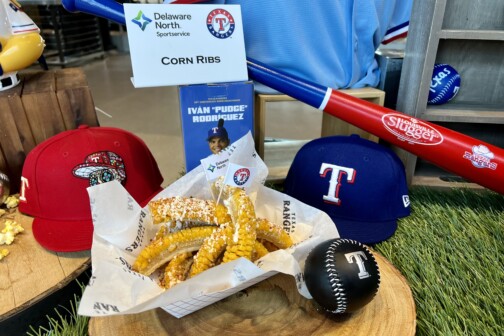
{"x": 242, "y": 214}
{"x": 176, "y": 270}
{"x": 196, "y": 235}
{"x": 211, "y": 249}
{"x": 177, "y": 211}
{"x": 165, "y": 248}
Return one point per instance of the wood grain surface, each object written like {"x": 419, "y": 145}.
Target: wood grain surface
{"x": 274, "y": 307}
{"x": 31, "y": 273}
{"x": 44, "y": 104}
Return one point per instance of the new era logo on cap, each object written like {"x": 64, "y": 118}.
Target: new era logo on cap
{"x": 360, "y": 184}
{"x": 58, "y": 171}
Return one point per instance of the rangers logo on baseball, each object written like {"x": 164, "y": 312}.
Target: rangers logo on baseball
{"x": 359, "y": 257}
{"x": 220, "y": 23}
{"x": 445, "y": 84}
{"x": 241, "y": 176}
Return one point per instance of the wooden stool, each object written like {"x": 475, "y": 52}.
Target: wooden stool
{"x": 274, "y": 307}
{"x": 35, "y": 281}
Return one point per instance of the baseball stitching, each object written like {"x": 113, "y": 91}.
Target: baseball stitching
{"x": 445, "y": 89}
{"x": 334, "y": 279}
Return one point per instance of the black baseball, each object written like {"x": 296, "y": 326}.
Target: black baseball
{"x": 341, "y": 275}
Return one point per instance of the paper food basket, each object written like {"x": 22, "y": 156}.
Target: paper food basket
{"x": 122, "y": 229}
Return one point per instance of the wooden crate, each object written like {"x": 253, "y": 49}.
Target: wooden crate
{"x": 44, "y": 104}
{"x": 330, "y": 125}
{"x": 282, "y": 153}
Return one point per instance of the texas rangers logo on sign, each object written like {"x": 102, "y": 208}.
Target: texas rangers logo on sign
{"x": 241, "y": 176}
{"x": 220, "y": 23}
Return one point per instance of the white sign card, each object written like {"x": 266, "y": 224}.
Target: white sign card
{"x": 185, "y": 44}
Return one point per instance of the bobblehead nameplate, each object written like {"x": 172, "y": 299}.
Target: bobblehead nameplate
{"x": 185, "y": 44}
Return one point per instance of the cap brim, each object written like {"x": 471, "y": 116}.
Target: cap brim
{"x": 63, "y": 236}
{"x": 365, "y": 232}
{"x": 67, "y": 235}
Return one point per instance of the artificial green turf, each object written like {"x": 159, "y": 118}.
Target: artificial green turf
{"x": 450, "y": 250}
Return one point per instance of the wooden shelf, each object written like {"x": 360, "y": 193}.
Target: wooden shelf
{"x": 470, "y": 38}
{"x": 471, "y": 34}
{"x": 278, "y": 155}
{"x": 438, "y": 183}
{"x": 469, "y": 115}
{"x": 330, "y": 124}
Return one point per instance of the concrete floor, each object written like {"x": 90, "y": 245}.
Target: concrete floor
{"x": 153, "y": 114}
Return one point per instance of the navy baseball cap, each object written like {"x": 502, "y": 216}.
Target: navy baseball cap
{"x": 218, "y": 131}
{"x": 359, "y": 183}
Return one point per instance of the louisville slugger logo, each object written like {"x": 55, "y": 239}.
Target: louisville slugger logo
{"x": 411, "y": 130}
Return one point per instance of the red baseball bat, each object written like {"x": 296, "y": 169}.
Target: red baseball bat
{"x": 460, "y": 154}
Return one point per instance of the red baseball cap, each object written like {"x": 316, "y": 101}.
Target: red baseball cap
{"x": 57, "y": 172}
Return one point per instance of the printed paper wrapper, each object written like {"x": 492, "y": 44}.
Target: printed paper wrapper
{"x": 122, "y": 228}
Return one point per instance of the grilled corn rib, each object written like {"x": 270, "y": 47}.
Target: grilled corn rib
{"x": 221, "y": 190}
{"x": 163, "y": 231}
{"x": 163, "y": 249}
{"x": 273, "y": 233}
{"x": 242, "y": 214}
{"x": 259, "y": 251}
{"x": 211, "y": 249}
{"x": 177, "y": 269}
{"x": 179, "y": 209}
{"x": 268, "y": 245}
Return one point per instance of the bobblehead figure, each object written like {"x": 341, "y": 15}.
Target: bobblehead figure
{"x": 20, "y": 42}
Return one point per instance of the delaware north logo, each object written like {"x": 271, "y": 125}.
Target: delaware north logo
{"x": 141, "y": 20}
{"x": 220, "y": 23}
{"x": 211, "y": 168}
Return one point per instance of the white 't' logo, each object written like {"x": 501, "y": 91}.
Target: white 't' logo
{"x": 335, "y": 180}
{"x": 359, "y": 258}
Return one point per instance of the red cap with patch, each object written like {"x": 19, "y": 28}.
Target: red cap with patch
{"x": 57, "y": 172}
